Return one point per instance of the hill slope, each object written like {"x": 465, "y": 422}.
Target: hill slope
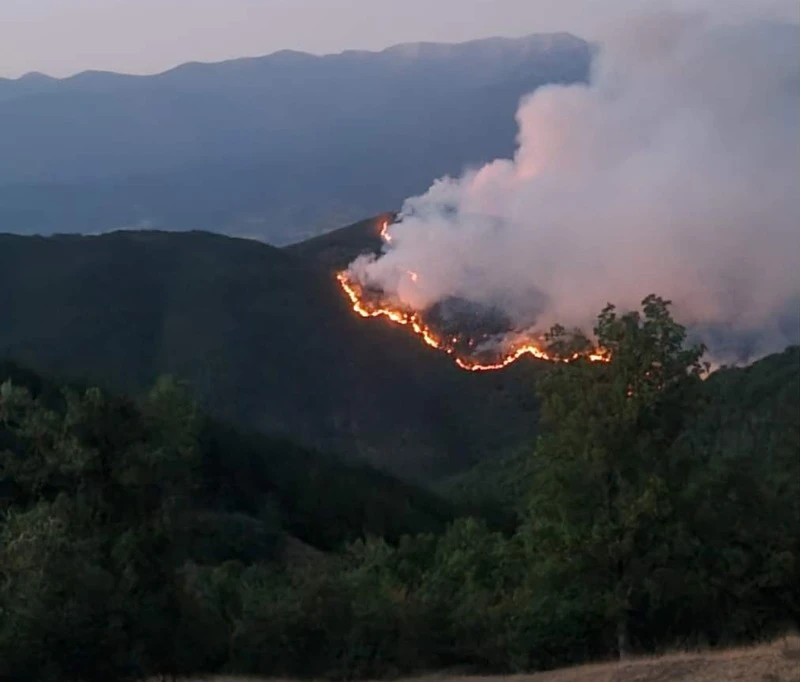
{"x": 751, "y": 414}
{"x": 264, "y": 337}
{"x": 280, "y": 147}
{"x": 268, "y": 342}
{"x": 335, "y": 250}
{"x": 270, "y": 482}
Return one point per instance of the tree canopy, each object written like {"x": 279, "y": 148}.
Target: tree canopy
{"x": 659, "y": 507}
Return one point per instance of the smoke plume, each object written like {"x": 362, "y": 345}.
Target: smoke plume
{"x": 675, "y": 171}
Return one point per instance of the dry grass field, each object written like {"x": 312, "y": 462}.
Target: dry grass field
{"x": 776, "y": 662}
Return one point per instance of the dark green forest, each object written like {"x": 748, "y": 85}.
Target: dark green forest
{"x": 265, "y": 339}
{"x": 649, "y": 508}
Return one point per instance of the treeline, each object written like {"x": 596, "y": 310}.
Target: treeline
{"x": 661, "y": 511}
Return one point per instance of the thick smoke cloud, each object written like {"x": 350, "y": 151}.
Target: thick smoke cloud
{"x": 676, "y": 171}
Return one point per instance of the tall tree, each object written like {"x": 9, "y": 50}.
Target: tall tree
{"x": 92, "y": 530}
{"x": 600, "y": 501}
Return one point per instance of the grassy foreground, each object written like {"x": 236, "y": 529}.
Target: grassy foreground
{"x": 776, "y": 662}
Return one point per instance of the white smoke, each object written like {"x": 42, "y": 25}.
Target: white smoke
{"x": 675, "y": 171}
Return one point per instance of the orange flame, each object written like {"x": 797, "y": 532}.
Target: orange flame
{"x": 413, "y": 320}
{"x": 385, "y": 232}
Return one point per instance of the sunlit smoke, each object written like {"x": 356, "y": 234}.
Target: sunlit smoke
{"x": 473, "y": 348}
{"x": 674, "y": 171}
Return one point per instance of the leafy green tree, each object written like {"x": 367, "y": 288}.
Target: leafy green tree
{"x": 138, "y": 538}
{"x": 100, "y": 492}
{"x": 743, "y": 501}
{"x": 600, "y": 498}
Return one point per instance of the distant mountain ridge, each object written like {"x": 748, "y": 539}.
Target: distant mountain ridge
{"x": 280, "y": 147}
{"x": 499, "y": 46}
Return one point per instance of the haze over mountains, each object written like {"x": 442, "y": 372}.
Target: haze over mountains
{"x": 279, "y": 148}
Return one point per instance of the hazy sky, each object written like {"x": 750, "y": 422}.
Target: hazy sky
{"x": 60, "y": 37}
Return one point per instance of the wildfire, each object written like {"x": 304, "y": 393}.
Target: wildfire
{"x": 412, "y": 320}
{"x": 367, "y": 308}
{"x": 385, "y": 232}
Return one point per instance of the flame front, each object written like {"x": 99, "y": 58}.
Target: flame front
{"x": 385, "y": 232}
{"x": 365, "y": 308}
{"x": 396, "y": 315}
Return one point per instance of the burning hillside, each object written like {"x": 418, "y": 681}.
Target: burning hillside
{"x": 672, "y": 172}
{"x": 478, "y": 338}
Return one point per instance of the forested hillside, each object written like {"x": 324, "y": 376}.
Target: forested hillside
{"x": 141, "y": 538}
{"x": 749, "y": 414}
{"x": 265, "y": 339}
{"x": 254, "y": 485}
